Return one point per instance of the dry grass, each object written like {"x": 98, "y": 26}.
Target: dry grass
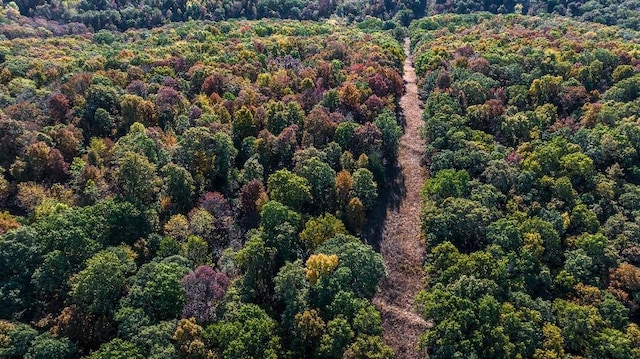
{"x": 402, "y": 246}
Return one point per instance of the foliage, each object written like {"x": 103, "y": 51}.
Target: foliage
{"x": 161, "y": 189}
{"x": 525, "y": 191}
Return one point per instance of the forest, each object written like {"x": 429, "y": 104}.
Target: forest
{"x": 126, "y": 14}
{"x": 530, "y": 213}
{"x": 211, "y": 179}
{"x": 194, "y": 191}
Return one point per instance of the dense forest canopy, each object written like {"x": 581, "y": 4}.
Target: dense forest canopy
{"x": 531, "y": 211}
{"x": 196, "y": 179}
{"x": 194, "y": 190}
{"x": 125, "y": 14}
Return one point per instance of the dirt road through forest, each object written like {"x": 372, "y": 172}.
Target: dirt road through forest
{"x": 401, "y": 245}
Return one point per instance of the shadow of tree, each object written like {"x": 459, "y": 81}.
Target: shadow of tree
{"x": 390, "y": 196}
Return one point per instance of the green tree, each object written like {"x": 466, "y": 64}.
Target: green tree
{"x": 99, "y": 286}
{"x": 137, "y": 141}
{"x": 16, "y": 339}
{"x": 292, "y": 287}
{"x": 256, "y": 260}
{"x": 247, "y": 332}
{"x": 46, "y": 346}
{"x": 117, "y": 349}
{"x": 275, "y": 214}
{"x": 364, "y": 266}
{"x": 391, "y": 132}
{"x": 20, "y": 255}
{"x": 345, "y": 135}
{"x": 289, "y": 189}
{"x": 336, "y": 339}
{"x": 445, "y": 184}
{"x": 179, "y": 186}
{"x": 364, "y": 187}
{"x": 368, "y": 347}
{"x": 207, "y": 156}
{"x": 322, "y": 181}
{"x": 196, "y": 250}
{"x": 458, "y": 220}
{"x": 137, "y": 179}
{"x": 156, "y": 288}
{"x": 583, "y": 220}
{"x": 243, "y": 125}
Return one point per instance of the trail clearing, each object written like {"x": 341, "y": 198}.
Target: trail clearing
{"x": 401, "y": 245}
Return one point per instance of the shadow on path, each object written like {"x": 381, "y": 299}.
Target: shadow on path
{"x": 394, "y": 230}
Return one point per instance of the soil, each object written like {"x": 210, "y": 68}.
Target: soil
{"x": 401, "y": 244}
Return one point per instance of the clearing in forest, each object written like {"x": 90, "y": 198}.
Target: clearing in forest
{"x": 401, "y": 245}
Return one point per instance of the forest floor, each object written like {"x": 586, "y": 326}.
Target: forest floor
{"x": 401, "y": 244}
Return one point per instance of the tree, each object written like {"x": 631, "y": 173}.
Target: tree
{"x": 256, "y": 261}
{"x": 319, "y": 229}
{"x": 318, "y": 128}
{"x": 280, "y": 116}
{"x": 349, "y": 96}
{"x": 368, "y": 347}
{"x": 458, "y": 220}
{"x": 137, "y": 180}
{"x": 584, "y": 220}
{"x": 179, "y": 186}
{"x": 364, "y": 187}
{"x": 338, "y": 335}
{"x": 177, "y": 228}
{"x": 157, "y": 290}
{"x": 40, "y": 162}
{"x": 59, "y": 106}
{"x": 322, "y": 181}
{"x": 545, "y": 89}
{"x": 224, "y": 156}
{"x": 207, "y": 156}
{"x": 309, "y": 328}
{"x": 251, "y": 196}
{"x": 611, "y": 343}
{"x": 355, "y": 215}
{"x": 578, "y": 324}
{"x": 553, "y": 344}
{"x": 275, "y": 214}
{"x": 387, "y": 124}
{"x": 368, "y": 139}
{"x": 196, "y": 250}
{"x": 17, "y": 339}
{"x": 204, "y": 289}
{"x": 247, "y": 332}
{"x": 117, "y": 349}
{"x": 345, "y": 135}
{"x": 203, "y": 224}
{"x": 292, "y": 288}
{"x": 365, "y": 266}
{"x": 46, "y": 346}
{"x": 20, "y": 255}
{"x": 243, "y": 125}
{"x": 137, "y": 140}
{"x": 289, "y": 189}
{"x": 99, "y": 286}
{"x": 319, "y": 265}
{"x": 578, "y": 167}
{"x": 169, "y": 103}
{"x": 344, "y": 184}
{"x": 135, "y": 109}
{"x": 445, "y": 184}
{"x": 190, "y": 339}
{"x": 101, "y": 102}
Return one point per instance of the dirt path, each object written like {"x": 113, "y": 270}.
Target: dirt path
{"x": 401, "y": 245}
